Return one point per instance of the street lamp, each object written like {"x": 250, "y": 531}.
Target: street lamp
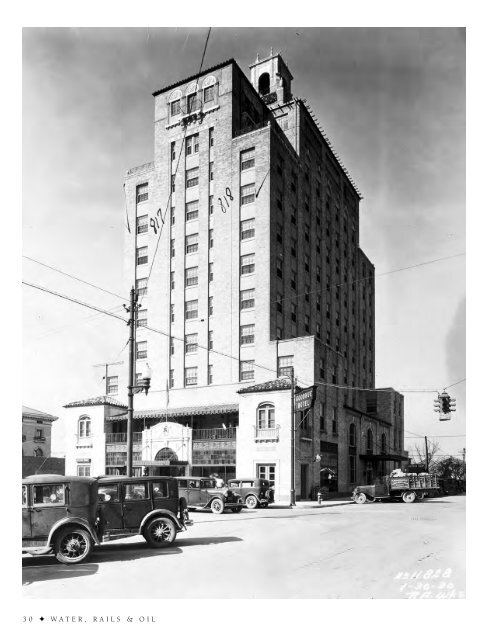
{"x": 292, "y": 438}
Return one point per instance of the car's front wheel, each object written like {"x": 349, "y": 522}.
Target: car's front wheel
{"x": 72, "y": 546}
{"x": 217, "y": 505}
{"x": 251, "y": 502}
{"x": 160, "y": 532}
{"x": 360, "y": 498}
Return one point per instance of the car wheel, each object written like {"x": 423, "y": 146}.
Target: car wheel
{"x": 251, "y": 502}
{"x": 160, "y": 532}
{"x": 72, "y": 546}
{"x": 217, "y": 505}
{"x": 408, "y": 496}
{"x": 236, "y": 509}
{"x": 360, "y": 498}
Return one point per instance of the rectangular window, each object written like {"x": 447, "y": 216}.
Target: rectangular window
{"x": 112, "y": 384}
{"x": 208, "y": 94}
{"x": 192, "y": 102}
{"x": 246, "y": 370}
{"x": 172, "y": 216}
{"x": 279, "y": 267}
{"x": 247, "y": 264}
{"x": 210, "y": 306}
{"x": 322, "y": 368}
{"x": 172, "y": 280}
{"x": 247, "y": 229}
{"x": 171, "y": 382}
{"x": 172, "y": 248}
{"x": 191, "y": 277}
{"x": 210, "y": 374}
{"x": 191, "y": 343}
{"x": 293, "y": 312}
{"x": 192, "y": 144}
{"x": 175, "y": 108}
{"x": 210, "y": 238}
{"x": 172, "y": 346}
{"x": 306, "y": 323}
{"x": 142, "y": 350}
{"x": 142, "y": 224}
{"x": 247, "y": 299}
{"x": 172, "y": 313}
{"x": 48, "y": 494}
{"x": 192, "y": 210}
{"x": 142, "y": 287}
{"x": 248, "y": 192}
{"x": 211, "y": 137}
{"x": 172, "y": 151}
{"x": 192, "y": 177}
{"x": 84, "y": 470}
{"x": 211, "y": 171}
{"x": 142, "y": 192}
{"x": 142, "y": 318}
{"x": 191, "y": 376}
{"x": 191, "y": 309}
{"x": 192, "y": 243}
{"x": 247, "y": 159}
{"x": 210, "y": 205}
{"x": 142, "y": 255}
{"x": 210, "y": 339}
{"x": 210, "y": 272}
{"x": 285, "y": 365}
{"x": 247, "y": 334}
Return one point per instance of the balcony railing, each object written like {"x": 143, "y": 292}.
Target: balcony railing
{"x": 267, "y": 434}
{"x": 214, "y": 434}
{"x": 121, "y": 438}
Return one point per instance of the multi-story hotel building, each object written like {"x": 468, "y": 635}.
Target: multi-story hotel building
{"x": 243, "y": 245}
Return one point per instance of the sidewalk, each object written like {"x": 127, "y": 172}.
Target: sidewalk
{"x": 311, "y": 504}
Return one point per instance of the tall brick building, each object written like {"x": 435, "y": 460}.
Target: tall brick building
{"x": 244, "y": 249}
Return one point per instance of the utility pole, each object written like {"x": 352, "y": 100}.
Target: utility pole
{"x": 130, "y": 387}
{"x": 426, "y": 454}
{"x": 292, "y": 444}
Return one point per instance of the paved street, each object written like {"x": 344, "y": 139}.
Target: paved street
{"x": 328, "y": 551}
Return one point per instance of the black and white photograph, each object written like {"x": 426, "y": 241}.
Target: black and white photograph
{"x": 243, "y": 319}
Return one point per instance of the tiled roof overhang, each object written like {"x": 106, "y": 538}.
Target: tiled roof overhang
{"x": 196, "y": 75}
{"x": 202, "y": 410}
{"x": 281, "y": 384}
{"x": 99, "y": 400}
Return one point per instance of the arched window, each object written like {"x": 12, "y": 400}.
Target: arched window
{"x": 384, "y": 443}
{"x": 175, "y": 95}
{"x": 264, "y": 84}
{"x": 266, "y": 416}
{"x": 166, "y": 454}
{"x": 84, "y": 427}
{"x": 352, "y": 435}
{"x": 38, "y": 452}
{"x": 369, "y": 441}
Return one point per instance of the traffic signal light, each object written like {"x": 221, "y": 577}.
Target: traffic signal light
{"x": 453, "y": 403}
{"x": 445, "y": 402}
{"x": 436, "y": 405}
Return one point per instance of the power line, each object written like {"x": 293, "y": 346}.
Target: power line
{"x": 176, "y": 169}
{"x": 74, "y": 277}
{"x": 455, "y": 383}
{"x": 376, "y": 275}
{"x": 83, "y": 304}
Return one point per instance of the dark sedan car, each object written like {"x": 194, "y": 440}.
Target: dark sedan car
{"x": 254, "y": 492}
{"x": 202, "y": 493}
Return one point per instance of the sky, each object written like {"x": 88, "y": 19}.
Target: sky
{"x": 392, "y": 101}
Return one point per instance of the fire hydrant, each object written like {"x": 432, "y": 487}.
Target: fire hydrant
{"x": 319, "y": 496}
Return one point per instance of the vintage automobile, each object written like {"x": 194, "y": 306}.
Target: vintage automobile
{"x": 254, "y": 492}
{"x": 408, "y": 487}
{"x": 59, "y": 515}
{"x": 150, "y": 506}
{"x": 202, "y": 493}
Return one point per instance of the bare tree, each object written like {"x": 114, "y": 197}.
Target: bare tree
{"x": 420, "y": 453}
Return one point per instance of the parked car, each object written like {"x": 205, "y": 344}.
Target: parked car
{"x": 202, "y": 493}
{"x": 254, "y": 492}
{"x": 150, "y": 506}
{"x": 59, "y": 515}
